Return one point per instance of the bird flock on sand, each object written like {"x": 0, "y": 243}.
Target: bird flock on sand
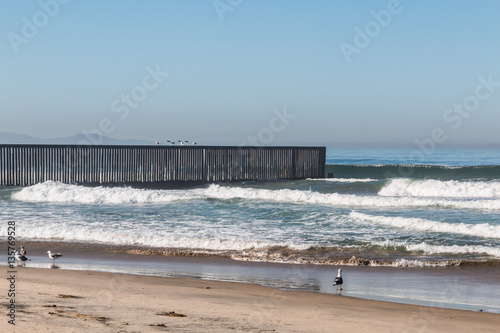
{"x": 22, "y": 259}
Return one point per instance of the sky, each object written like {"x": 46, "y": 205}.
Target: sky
{"x": 417, "y": 74}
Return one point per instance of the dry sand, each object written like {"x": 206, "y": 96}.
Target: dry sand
{"x": 53, "y": 300}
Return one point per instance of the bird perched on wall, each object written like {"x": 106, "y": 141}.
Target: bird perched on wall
{"x": 54, "y": 256}
{"x": 338, "y": 281}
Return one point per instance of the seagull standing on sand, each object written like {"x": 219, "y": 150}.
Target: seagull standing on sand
{"x": 54, "y": 256}
{"x": 21, "y": 258}
{"x": 337, "y": 282}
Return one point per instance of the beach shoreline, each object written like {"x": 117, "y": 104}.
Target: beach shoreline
{"x": 466, "y": 288}
{"x": 77, "y": 301}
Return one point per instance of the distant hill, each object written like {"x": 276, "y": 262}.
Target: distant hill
{"x": 15, "y": 138}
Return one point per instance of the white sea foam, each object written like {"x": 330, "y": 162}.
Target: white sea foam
{"x": 349, "y": 200}
{"x": 58, "y": 192}
{"x": 51, "y": 191}
{"x": 140, "y": 236}
{"x": 421, "y": 263}
{"x": 402, "y": 187}
{"x": 442, "y": 249}
{"x": 277, "y": 257}
{"x": 479, "y": 230}
{"x": 344, "y": 180}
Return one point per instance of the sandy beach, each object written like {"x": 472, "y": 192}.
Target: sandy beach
{"x": 49, "y": 300}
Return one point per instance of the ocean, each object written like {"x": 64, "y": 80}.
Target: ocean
{"x": 380, "y": 209}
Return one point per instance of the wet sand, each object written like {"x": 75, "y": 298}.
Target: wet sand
{"x": 49, "y": 300}
{"x": 465, "y": 288}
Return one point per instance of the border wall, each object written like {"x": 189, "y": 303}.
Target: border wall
{"x": 25, "y": 165}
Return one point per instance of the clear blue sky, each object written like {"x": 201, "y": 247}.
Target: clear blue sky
{"x": 340, "y": 73}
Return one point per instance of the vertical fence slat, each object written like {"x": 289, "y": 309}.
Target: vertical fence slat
{"x": 23, "y": 165}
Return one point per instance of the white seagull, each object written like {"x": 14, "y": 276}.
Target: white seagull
{"x": 21, "y": 258}
{"x": 182, "y": 142}
{"x": 54, "y": 256}
{"x": 171, "y": 142}
{"x": 337, "y": 282}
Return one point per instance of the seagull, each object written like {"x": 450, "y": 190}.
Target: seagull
{"x": 21, "y": 258}
{"x": 337, "y": 282}
{"x": 182, "y": 142}
{"x": 171, "y": 142}
{"x": 157, "y": 142}
{"x": 194, "y": 143}
{"x": 54, "y": 256}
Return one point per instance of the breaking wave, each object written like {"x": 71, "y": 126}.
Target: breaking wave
{"x": 52, "y": 191}
{"x": 443, "y": 249}
{"x": 484, "y": 230}
{"x": 443, "y": 189}
{"x": 64, "y": 193}
{"x": 345, "y": 200}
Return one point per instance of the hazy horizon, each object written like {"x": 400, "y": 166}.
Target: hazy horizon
{"x": 393, "y": 74}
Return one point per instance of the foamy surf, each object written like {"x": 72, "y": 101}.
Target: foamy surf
{"x": 478, "y": 230}
{"x": 51, "y": 191}
{"x": 346, "y": 200}
{"x": 427, "y": 249}
{"x": 64, "y": 193}
{"x": 387, "y": 222}
{"x": 137, "y": 236}
{"x": 441, "y": 189}
{"x": 344, "y": 180}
